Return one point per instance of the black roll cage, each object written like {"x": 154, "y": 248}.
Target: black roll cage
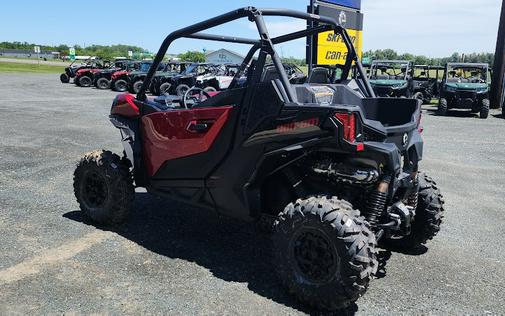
{"x": 265, "y": 43}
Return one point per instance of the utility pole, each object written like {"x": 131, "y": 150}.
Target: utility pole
{"x": 497, "y": 85}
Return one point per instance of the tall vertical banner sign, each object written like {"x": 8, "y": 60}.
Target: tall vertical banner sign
{"x": 71, "y": 53}
{"x": 328, "y": 48}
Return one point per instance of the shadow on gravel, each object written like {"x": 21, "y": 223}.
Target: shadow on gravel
{"x": 453, "y": 113}
{"x": 233, "y": 251}
{"x": 498, "y": 116}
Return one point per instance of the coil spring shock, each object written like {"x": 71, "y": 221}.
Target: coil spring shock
{"x": 377, "y": 202}
{"x": 413, "y": 199}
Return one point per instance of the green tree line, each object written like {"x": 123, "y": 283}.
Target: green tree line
{"x": 423, "y": 60}
{"x": 103, "y": 51}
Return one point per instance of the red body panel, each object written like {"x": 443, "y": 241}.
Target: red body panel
{"x": 124, "y": 106}
{"x": 119, "y": 74}
{"x": 167, "y": 135}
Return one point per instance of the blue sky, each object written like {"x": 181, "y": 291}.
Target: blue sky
{"x": 430, "y": 27}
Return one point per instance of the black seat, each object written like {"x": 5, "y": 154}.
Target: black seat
{"x": 319, "y": 75}
{"x": 269, "y": 73}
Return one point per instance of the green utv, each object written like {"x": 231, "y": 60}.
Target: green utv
{"x": 427, "y": 81}
{"x": 465, "y": 86}
{"x": 392, "y": 78}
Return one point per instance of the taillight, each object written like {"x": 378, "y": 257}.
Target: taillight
{"x": 349, "y": 124}
{"x": 348, "y": 121}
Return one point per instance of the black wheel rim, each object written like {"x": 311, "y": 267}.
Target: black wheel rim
{"x": 315, "y": 256}
{"x": 95, "y": 190}
{"x": 85, "y": 81}
{"x": 103, "y": 84}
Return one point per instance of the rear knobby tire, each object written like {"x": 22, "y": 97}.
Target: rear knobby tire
{"x": 484, "y": 110}
{"x": 85, "y": 81}
{"x": 442, "y": 107}
{"x": 429, "y": 216}
{"x": 325, "y": 252}
{"x": 103, "y": 84}
{"x": 103, "y": 187}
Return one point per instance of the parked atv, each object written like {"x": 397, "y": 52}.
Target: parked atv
{"x": 161, "y": 83}
{"x": 426, "y": 82}
{"x": 136, "y": 78}
{"x": 465, "y": 86}
{"x": 218, "y": 80}
{"x": 392, "y": 78}
{"x": 120, "y": 79}
{"x": 181, "y": 83}
{"x": 102, "y": 79}
{"x": 332, "y": 168}
{"x": 84, "y": 77}
{"x": 77, "y": 65}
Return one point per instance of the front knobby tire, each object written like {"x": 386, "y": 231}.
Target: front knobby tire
{"x": 121, "y": 85}
{"x": 103, "y": 187}
{"x": 64, "y": 78}
{"x": 325, "y": 252}
{"x": 442, "y": 107}
{"x": 484, "y": 110}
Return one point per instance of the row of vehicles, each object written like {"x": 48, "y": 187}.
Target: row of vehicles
{"x": 456, "y": 86}
{"x": 171, "y": 78}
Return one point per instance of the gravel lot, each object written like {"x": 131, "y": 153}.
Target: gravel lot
{"x": 174, "y": 259}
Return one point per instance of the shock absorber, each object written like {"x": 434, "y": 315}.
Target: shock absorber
{"x": 377, "y": 201}
{"x": 413, "y": 198}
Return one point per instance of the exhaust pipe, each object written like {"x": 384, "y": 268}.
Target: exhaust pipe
{"x": 341, "y": 173}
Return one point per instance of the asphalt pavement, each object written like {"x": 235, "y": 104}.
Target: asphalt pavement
{"x": 178, "y": 260}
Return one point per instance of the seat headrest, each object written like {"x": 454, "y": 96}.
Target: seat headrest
{"x": 319, "y": 75}
{"x": 269, "y": 73}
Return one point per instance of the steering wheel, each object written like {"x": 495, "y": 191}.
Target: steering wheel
{"x": 194, "y": 96}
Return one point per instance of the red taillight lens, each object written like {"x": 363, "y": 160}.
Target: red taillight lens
{"x": 348, "y": 120}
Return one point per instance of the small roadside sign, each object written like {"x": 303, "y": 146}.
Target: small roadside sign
{"x": 71, "y": 53}
{"x": 130, "y": 53}
{"x": 36, "y": 49}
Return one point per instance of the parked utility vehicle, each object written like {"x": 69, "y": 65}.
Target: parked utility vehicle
{"x": 426, "y": 82}
{"x": 120, "y": 79}
{"x": 84, "y": 77}
{"x": 136, "y": 78}
{"x": 161, "y": 83}
{"x": 332, "y": 167}
{"x": 392, "y": 78}
{"x": 465, "y": 86}
{"x": 217, "y": 80}
{"x": 77, "y": 65}
{"x": 102, "y": 79}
